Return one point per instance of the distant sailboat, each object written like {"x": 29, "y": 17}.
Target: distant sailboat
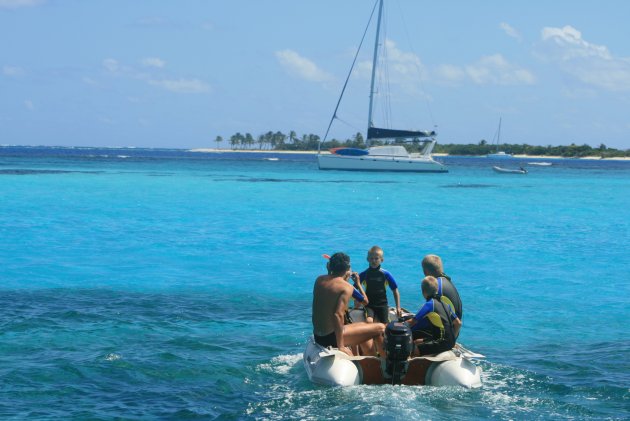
{"x": 382, "y": 158}
{"x": 499, "y": 154}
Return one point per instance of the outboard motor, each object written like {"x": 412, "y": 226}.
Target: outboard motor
{"x": 399, "y": 346}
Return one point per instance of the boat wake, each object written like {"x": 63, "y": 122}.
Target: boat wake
{"x": 282, "y": 364}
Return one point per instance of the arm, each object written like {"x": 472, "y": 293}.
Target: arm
{"x": 394, "y": 287}
{"x": 358, "y": 298}
{"x": 457, "y": 324}
{"x": 419, "y": 316}
{"x": 359, "y": 288}
{"x": 397, "y": 299}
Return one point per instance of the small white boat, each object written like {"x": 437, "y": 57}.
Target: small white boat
{"x": 331, "y": 367}
{"x": 540, "y": 164}
{"x": 510, "y": 170}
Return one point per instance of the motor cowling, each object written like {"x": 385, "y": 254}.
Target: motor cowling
{"x": 399, "y": 346}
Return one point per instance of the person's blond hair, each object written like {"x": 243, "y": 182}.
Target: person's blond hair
{"x": 429, "y": 286}
{"x": 432, "y": 265}
{"x": 375, "y": 249}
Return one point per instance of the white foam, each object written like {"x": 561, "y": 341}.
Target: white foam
{"x": 281, "y": 364}
{"x": 113, "y": 357}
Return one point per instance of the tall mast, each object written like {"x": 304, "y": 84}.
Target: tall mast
{"x": 499, "y": 135}
{"x": 374, "y": 60}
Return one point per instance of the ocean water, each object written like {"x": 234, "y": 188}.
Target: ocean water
{"x": 165, "y": 284}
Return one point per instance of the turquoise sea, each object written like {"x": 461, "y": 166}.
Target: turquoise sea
{"x": 165, "y": 284}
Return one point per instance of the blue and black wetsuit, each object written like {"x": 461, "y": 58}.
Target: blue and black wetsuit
{"x": 375, "y": 283}
{"x": 448, "y": 294}
{"x": 434, "y": 323}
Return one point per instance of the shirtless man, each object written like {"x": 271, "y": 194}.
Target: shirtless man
{"x": 331, "y": 295}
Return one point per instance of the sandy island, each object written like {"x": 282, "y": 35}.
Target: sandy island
{"x": 210, "y": 150}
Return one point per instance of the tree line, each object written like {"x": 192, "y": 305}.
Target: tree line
{"x": 278, "y": 141}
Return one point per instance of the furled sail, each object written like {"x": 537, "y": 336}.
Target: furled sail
{"x": 377, "y": 133}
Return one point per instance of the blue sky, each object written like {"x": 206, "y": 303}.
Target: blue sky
{"x": 153, "y": 73}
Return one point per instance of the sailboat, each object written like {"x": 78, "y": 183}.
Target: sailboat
{"x": 498, "y": 153}
{"x": 382, "y": 158}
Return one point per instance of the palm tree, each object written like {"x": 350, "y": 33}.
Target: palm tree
{"x": 358, "y": 140}
{"x": 249, "y": 140}
{"x": 292, "y": 136}
{"x": 270, "y": 140}
{"x": 279, "y": 139}
{"x": 218, "y": 141}
{"x": 235, "y": 140}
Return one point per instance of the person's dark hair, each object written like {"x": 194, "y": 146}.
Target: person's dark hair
{"x": 339, "y": 264}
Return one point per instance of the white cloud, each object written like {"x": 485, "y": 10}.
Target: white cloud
{"x": 15, "y": 4}
{"x": 496, "y": 70}
{"x": 488, "y": 70}
{"x": 590, "y": 63}
{"x": 152, "y": 21}
{"x": 571, "y": 45}
{"x": 404, "y": 69}
{"x": 12, "y": 71}
{"x": 450, "y": 73}
{"x": 29, "y": 104}
{"x": 182, "y": 86}
{"x": 301, "y": 67}
{"x": 153, "y": 62}
{"x": 111, "y": 65}
{"x": 510, "y": 31}
{"x": 89, "y": 81}
{"x": 401, "y": 64}
{"x": 404, "y": 65}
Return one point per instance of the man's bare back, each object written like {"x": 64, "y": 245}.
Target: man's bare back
{"x": 331, "y": 295}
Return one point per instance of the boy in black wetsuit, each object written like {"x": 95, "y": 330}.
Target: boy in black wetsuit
{"x": 447, "y": 293}
{"x": 435, "y": 327}
{"x": 375, "y": 281}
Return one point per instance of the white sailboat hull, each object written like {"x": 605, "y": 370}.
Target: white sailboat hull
{"x": 500, "y": 155}
{"x": 379, "y": 163}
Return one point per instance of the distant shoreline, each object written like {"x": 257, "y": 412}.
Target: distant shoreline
{"x": 214, "y": 150}
{"x": 210, "y": 150}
